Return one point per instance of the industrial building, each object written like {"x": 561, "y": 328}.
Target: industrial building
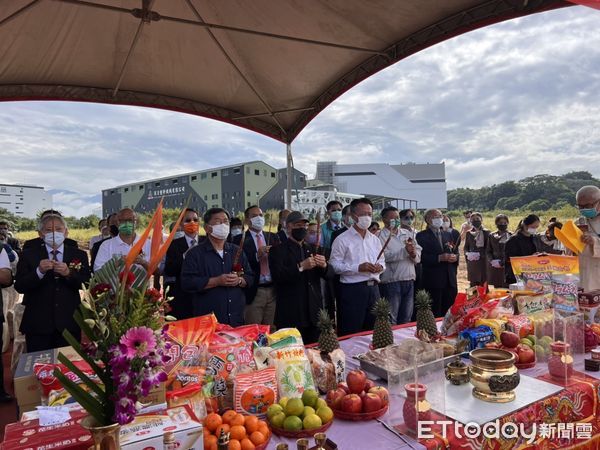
{"x": 233, "y": 188}
{"x": 24, "y": 200}
{"x": 401, "y": 185}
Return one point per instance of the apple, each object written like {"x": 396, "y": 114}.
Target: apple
{"x": 509, "y": 339}
{"x": 351, "y": 404}
{"x": 513, "y": 351}
{"x": 344, "y": 386}
{"x": 334, "y": 398}
{"x": 356, "y": 380}
{"x": 526, "y": 354}
{"x": 371, "y": 402}
{"x": 369, "y": 384}
{"x": 382, "y": 393}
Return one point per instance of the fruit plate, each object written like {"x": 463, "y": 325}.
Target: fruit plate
{"x": 301, "y": 433}
{"x": 360, "y": 416}
{"x": 264, "y": 445}
{"x": 525, "y": 365}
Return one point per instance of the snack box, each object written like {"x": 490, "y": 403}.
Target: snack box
{"x": 29, "y": 434}
{"x": 146, "y": 432}
{"x": 591, "y": 298}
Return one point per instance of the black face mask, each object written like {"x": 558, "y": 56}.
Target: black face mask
{"x": 503, "y": 227}
{"x": 114, "y": 230}
{"x": 299, "y": 234}
{"x": 476, "y": 223}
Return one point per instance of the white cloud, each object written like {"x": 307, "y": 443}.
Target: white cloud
{"x": 504, "y": 102}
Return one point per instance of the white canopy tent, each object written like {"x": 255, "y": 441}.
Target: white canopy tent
{"x": 267, "y": 65}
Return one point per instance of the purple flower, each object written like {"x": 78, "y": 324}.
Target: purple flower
{"x": 138, "y": 341}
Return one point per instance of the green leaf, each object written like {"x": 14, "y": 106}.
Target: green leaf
{"x": 87, "y": 380}
{"x": 95, "y": 367}
{"x": 85, "y": 399}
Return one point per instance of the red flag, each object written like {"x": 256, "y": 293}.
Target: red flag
{"x": 157, "y": 230}
{"x": 589, "y": 3}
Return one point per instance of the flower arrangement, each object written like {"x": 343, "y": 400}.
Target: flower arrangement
{"x": 124, "y": 321}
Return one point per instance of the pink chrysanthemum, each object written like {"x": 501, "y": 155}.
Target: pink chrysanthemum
{"x": 138, "y": 341}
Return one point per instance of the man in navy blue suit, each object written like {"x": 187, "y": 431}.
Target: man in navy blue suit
{"x": 439, "y": 260}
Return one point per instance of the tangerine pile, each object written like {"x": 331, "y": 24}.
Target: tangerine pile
{"x": 245, "y": 432}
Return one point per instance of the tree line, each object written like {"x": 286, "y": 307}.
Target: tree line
{"x": 536, "y": 193}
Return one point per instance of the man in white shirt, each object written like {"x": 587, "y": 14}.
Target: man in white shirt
{"x": 104, "y": 233}
{"x": 122, "y": 243}
{"x": 588, "y": 201}
{"x": 401, "y": 254}
{"x": 355, "y": 256}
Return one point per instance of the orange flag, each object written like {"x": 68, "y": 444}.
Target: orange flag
{"x": 137, "y": 247}
{"x": 157, "y": 231}
{"x": 157, "y": 257}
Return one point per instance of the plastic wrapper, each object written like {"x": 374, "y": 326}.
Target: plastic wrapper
{"x": 248, "y": 333}
{"x": 565, "y": 292}
{"x": 496, "y": 325}
{"x": 188, "y": 340}
{"x": 453, "y": 320}
{"x": 478, "y": 336}
{"x": 328, "y": 369}
{"x": 294, "y": 374}
{"x": 292, "y": 336}
{"x": 520, "y": 325}
{"x": 538, "y": 282}
{"x": 255, "y": 391}
{"x": 500, "y": 307}
{"x": 531, "y": 304}
{"x": 45, "y": 375}
{"x": 191, "y": 396}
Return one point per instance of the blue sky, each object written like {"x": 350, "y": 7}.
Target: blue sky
{"x": 504, "y": 102}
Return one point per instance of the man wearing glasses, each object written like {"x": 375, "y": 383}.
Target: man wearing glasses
{"x": 181, "y": 305}
{"x": 588, "y": 201}
{"x": 216, "y": 273}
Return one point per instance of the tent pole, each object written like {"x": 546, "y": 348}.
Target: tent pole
{"x": 289, "y": 175}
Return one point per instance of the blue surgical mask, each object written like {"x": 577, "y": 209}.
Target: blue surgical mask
{"x": 336, "y": 216}
{"x": 588, "y": 213}
{"x": 54, "y": 239}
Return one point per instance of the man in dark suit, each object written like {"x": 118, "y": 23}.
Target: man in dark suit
{"x": 181, "y": 305}
{"x": 281, "y": 229}
{"x": 260, "y": 297}
{"x": 297, "y": 271}
{"x": 212, "y": 272}
{"x": 6, "y": 239}
{"x": 50, "y": 277}
{"x": 38, "y": 242}
{"x": 439, "y": 260}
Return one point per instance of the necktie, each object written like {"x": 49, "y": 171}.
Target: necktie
{"x": 193, "y": 242}
{"x": 54, "y": 255}
{"x": 439, "y": 236}
{"x": 264, "y": 262}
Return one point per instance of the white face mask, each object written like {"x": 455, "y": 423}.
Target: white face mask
{"x": 446, "y": 225}
{"x": 258, "y": 222}
{"x": 236, "y": 231}
{"x": 220, "y": 231}
{"x": 437, "y": 222}
{"x": 364, "y": 222}
{"x": 532, "y": 230}
{"x": 55, "y": 239}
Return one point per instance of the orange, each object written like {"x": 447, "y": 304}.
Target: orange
{"x": 264, "y": 430}
{"x": 262, "y": 423}
{"x": 212, "y": 421}
{"x": 210, "y": 443}
{"x": 247, "y": 444}
{"x": 234, "y": 444}
{"x": 238, "y": 419}
{"x": 251, "y": 424}
{"x": 223, "y": 427}
{"x": 238, "y": 432}
{"x": 258, "y": 438}
{"x": 228, "y": 415}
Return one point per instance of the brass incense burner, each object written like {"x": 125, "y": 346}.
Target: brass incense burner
{"x": 493, "y": 375}
{"x": 457, "y": 372}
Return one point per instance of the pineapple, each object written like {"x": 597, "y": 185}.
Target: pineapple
{"x": 328, "y": 340}
{"x": 382, "y": 332}
{"x": 425, "y": 318}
